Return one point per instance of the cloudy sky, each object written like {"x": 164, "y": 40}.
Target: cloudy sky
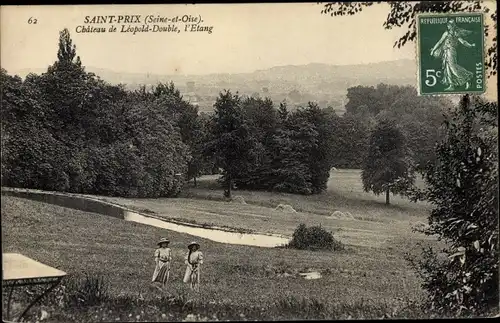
{"x": 245, "y": 37}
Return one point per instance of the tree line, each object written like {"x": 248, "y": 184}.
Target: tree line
{"x": 68, "y": 130}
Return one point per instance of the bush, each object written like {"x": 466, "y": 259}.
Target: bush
{"x": 314, "y": 238}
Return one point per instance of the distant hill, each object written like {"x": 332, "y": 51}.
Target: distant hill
{"x": 298, "y": 84}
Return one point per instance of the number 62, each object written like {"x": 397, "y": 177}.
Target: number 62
{"x": 431, "y": 77}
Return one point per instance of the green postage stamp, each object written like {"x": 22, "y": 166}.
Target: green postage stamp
{"x": 450, "y": 50}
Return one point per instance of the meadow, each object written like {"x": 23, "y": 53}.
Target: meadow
{"x": 204, "y": 205}
{"x": 369, "y": 279}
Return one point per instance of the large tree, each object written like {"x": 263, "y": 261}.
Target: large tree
{"x": 321, "y": 154}
{"x": 262, "y": 120}
{"x": 293, "y": 144}
{"x": 200, "y": 163}
{"x": 185, "y": 117}
{"x": 387, "y": 163}
{"x": 73, "y": 98}
{"x": 232, "y": 144}
{"x": 463, "y": 187}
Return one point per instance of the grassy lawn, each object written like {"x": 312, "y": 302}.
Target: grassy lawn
{"x": 376, "y": 225}
{"x": 360, "y": 282}
{"x": 369, "y": 279}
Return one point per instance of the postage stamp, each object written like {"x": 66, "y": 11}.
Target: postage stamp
{"x": 450, "y": 53}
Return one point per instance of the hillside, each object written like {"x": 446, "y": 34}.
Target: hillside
{"x": 363, "y": 281}
{"x": 298, "y": 84}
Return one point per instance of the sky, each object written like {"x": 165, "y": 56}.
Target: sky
{"x": 245, "y": 38}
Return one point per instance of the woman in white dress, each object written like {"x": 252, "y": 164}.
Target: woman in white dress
{"x": 193, "y": 260}
{"x": 163, "y": 256}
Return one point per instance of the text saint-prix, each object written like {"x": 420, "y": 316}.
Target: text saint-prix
{"x": 110, "y": 19}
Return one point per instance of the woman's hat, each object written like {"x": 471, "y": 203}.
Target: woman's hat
{"x": 194, "y": 243}
{"x": 163, "y": 240}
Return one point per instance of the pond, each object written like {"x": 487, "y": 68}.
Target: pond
{"x": 248, "y": 239}
{"x": 94, "y": 205}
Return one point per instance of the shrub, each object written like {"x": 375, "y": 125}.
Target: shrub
{"x": 314, "y": 238}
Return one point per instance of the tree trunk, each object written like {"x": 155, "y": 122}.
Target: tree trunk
{"x": 387, "y": 202}
{"x": 229, "y": 186}
{"x": 194, "y": 180}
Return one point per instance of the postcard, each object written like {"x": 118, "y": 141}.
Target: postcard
{"x": 263, "y": 161}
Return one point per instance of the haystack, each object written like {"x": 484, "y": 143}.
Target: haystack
{"x": 337, "y": 215}
{"x": 285, "y": 208}
{"x": 342, "y": 215}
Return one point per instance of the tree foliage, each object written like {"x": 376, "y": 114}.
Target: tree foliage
{"x": 200, "y": 163}
{"x": 293, "y": 151}
{"x": 293, "y": 145}
{"x": 350, "y": 142}
{"x": 232, "y": 144}
{"x": 262, "y": 120}
{"x": 67, "y": 130}
{"x": 387, "y": 166}
{"x": 463, "y": 187}
{"x": 419, "y": 118}
{"x": 320, "y": 152}
{"x": 67, "y": 50}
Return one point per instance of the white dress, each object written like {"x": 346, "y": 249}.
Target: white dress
{"x": 163, "y": 256}
{"x": 195, "y": 260}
